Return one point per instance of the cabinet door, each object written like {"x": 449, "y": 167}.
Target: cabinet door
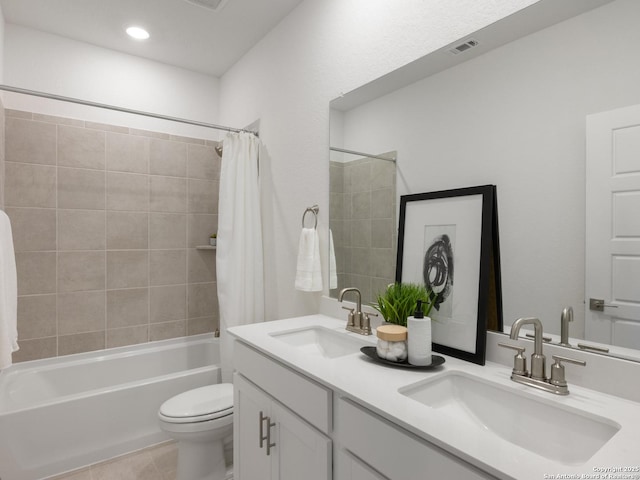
{"x": 301, "y": 452}
{"x": 349, "y": 467}
{"x": 250, "y": 461}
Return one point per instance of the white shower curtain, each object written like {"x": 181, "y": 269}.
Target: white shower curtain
{"x": 239, "y": 257}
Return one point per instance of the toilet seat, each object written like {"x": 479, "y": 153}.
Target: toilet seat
{"x": 199, "y": 405}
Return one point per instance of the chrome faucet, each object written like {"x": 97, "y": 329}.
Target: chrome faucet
{"x": 565, "y": 318}
{"x": 537, "y": 378}
{"x": 357, "y": 321}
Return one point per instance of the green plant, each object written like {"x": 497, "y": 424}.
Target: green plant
{"x": 399, "y": 301}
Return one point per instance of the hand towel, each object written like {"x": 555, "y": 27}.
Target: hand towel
{"x": 8, "y": 294}
{"x": 308, "y": 271}
{"x": 333, "y": 271}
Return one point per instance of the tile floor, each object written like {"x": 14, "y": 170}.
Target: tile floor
{"x": 153, "y": 463}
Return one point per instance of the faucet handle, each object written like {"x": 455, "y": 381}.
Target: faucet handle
{"x": 351, "y": 317}
{"x": 557, "y": 369}
{"x": 519, "y": 360}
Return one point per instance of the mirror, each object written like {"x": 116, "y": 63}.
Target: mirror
{"x": 511, "y": 111}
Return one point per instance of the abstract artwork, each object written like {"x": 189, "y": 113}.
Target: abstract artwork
{"x": 448, "y": 241}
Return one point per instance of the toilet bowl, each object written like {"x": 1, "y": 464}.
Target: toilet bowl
{"x": 199, "y": 420}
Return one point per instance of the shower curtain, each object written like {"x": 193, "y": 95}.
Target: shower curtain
{"x": 239, "y": 256}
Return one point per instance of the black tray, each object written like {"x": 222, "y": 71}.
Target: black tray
{"x": 372, "y": 353}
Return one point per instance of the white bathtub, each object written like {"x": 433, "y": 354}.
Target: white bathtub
{"x": 63, "y": 413}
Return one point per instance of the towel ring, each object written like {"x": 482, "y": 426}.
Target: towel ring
{"x": 315, "y": 209}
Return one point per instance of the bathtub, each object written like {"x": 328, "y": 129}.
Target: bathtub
{"x": 63, "y": 413}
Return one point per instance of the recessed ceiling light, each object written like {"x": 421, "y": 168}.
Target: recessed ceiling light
{"x": 138, "y": 33}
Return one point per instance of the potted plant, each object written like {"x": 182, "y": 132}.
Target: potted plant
{"x": 213, "y": 239}
{"x": 399, "y": 301}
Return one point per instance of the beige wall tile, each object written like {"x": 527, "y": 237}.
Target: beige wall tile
{"x": 36, "y": 349}
{"x": 361, "y": 233}
{"x": 127, "y": 308}
{"x": 29, "y": 185}
{"x": 127, "y": 269}
{"x": 81, "y": 271}
{"x": 10, "y": 112}
{"x": 163, "y": 331}
{"x": 168, "y": 303}
{"x": 81, "y": 147}
{"x": 36, "y": 316}
{"x": 168, "y": 158}
{"x": 201, "y": 266}
{"x": 78, "y": 188}
{"x": 81, "y": 230}
{"x": 28, "y": 141}
{"x": 127, "y": 191}
{"x": 202, "y": 300}
{"x": 184, "y": 139}
{"x": 383, "y": 174}
{"x": 203, "y": 162}
{"x": 81, "y": 342}
{"x": 36, "y": 272}
{"x": 126, "y": 153}
{"x": 167, "y": 230}
{"x": 382, "y": 233}
{"x": 383, "y": 203}
{"x": 167, "y": 267}
{"x": 383, "y": 264}
{"x": 196, "y": 326}
{"x": 127, "y": 230}
{"x": 106, "y": 127}
{"x": 361, "y": 261}
{"x": 120, "y": 337}
{"x": 81, "y": 312}
{"x": 200, "y": 227}
{"x": 203, "y": 196}
{"x": 168, "y": 194}
{"x": 361, "y": 204}
{"x": 58, "y": 120}
{"x": 33, "y": 228}
{"x": 360, "y": 176}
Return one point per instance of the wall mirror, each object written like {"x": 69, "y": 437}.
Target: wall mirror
{"x": 508, "y": 105}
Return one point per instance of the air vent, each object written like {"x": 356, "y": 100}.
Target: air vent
{"x": 463, "y": 47}
{"x": 210, "y": 4}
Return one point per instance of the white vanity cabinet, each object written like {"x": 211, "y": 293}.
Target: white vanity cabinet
{"x": 270, "y": 440}
{"x": 372, "y": 448}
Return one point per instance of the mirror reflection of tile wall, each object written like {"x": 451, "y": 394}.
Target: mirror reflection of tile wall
{"x": 363, "y": 224}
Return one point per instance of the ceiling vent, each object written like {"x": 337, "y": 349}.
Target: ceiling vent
{"x": 463, "y": 47}
{"x": 209, "y": 4}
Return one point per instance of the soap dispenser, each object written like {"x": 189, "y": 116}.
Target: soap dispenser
{"x": 419, "y": 337}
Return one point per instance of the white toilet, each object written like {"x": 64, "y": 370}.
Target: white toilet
{"x": 199, "y": 420}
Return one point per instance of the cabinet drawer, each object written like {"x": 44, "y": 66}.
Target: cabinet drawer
{"x": 305, "y": 397}
{"x": 394, "y": 452}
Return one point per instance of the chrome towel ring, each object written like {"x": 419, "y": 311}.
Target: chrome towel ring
{"x": 314, "y": 209}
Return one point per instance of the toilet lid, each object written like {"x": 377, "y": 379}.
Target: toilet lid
{"x": 204, "y": 403}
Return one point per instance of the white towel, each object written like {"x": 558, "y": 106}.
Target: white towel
{"x": 8, "y": 294}
{"x": 333, "y": 271}
{"x": 308, "y": 271}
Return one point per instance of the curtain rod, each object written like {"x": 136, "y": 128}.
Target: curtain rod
{"x": 88, "y": 103}
{"x": 353, "y": 152}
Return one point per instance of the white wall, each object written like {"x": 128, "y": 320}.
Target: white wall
{"x": 515, "y": 117}
{"x": 322, "y": 49}
{"x": 49, "y": 63}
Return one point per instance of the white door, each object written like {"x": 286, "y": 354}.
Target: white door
{"x": 612, "y": 268}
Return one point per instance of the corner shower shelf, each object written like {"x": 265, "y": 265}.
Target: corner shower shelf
{"x": 205, "y": 247}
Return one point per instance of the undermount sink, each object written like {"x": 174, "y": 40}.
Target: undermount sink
{"x": 321, "y": 341}
{"x": 552, "y": 430}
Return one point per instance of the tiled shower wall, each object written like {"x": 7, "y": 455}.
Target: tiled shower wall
{"x": 105, "y": 222}
{"x": 362, "y": 220}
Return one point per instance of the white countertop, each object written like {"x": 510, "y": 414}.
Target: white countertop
{"x": 376, "y": 387}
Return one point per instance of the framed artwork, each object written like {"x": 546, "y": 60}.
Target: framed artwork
{"x": 448, "y": 240}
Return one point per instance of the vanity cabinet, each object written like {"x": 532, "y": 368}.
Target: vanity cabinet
{"x": 372, "y": 448}
{"x": 270, "y": 440}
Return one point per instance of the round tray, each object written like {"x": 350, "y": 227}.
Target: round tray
{"x": 371, "y": 352}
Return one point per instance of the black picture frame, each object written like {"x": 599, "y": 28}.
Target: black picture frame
{"x": 449, "y": 240}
